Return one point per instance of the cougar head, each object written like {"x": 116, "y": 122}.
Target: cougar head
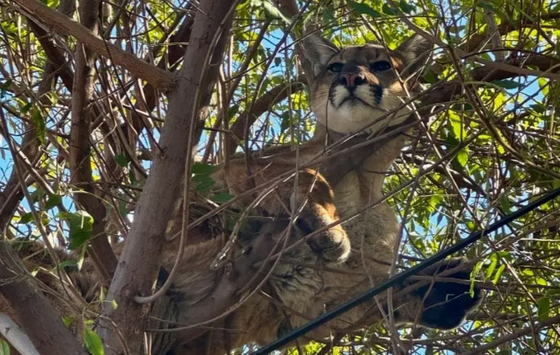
{"x": 355, "y": 89}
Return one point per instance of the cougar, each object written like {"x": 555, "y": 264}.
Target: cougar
{"x": 355, "y": 90}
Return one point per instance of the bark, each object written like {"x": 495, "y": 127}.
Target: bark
{"x": 63, "y": 25}
{"x": 543, "y": 63}
{"x": 15, "y": 336}
{"x": 55, "y": 55}
{"x": 34, "y": 312}
{"x": 80, "y": 145}
{"x": 139, "y": 262}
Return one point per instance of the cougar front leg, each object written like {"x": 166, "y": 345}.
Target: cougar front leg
{"x": 318, "y": 212}
{"x": 313, "y": 199}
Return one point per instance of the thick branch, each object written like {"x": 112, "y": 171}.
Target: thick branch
{"x": 544, "y": 63}
{"x": 54, "y": 55}
{"x": 34, "y": 312}
{"x": 15, "y": 336}
{"x": 80, "y": 145}
{"x": 140, "y": 259}
{"x": 63, "y": 25}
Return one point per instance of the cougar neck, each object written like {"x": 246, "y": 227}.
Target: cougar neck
{"x": 370, "y": 163}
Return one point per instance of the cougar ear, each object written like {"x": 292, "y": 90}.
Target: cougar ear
{"x": 415, "y": 52}
{"x": 318, "y": 50}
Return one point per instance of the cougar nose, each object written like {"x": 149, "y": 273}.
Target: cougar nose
{"x": 352, "y": 80}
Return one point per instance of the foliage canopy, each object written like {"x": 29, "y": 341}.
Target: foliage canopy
{"x": 487, "y": 153}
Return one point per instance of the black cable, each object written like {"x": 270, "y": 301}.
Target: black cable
{"x": 403, "y": 275}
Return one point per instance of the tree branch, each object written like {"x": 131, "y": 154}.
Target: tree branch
{"x": 262, "y": 105}
{"x": 34, "y": 312}
{"x": 140, "y": 259}
{"x": 63, "y": 25}
{"x": 483, "y": 349}
{"x": 544, "y": 63}
{"x": 15, "y": 336}
{"x": 80, "y": 145}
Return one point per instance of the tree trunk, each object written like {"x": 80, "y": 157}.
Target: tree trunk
{"x": 140, "y": 260}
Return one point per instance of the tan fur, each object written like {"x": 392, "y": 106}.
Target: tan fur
{"x": 306, "y": 290}
{"x": 319, "y": 275}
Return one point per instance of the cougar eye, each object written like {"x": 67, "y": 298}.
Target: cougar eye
{"x": 335, "y": 67}
{"x": 382, "y": 65}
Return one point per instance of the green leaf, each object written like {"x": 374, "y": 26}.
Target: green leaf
{"x": 222, "y": 198}
{"x": 364, "y": 9}
{"x": 406, "y": 7}
{"x": 273, "y": 12}
{"x": 232, "y": 111}
{"x": 507, "y": 84}
{"x": 498, "y": 274}
{"x": 203, "y": 183}
{"x": 430, "y": 77}
{"x": 270, "y": 9}
{"x": 53, "y": 201}
{"x": 4, "y": 347}
{"x": 328, "y": 16}
{"x": 38, "y": 194}
{"x": 387, "y": 9}
{"x": 202, "y": 169}
{"x": 492, "y": 267}
{"x": 66, "y": 263}
{"x": 81, "y": 227}
{"x": 463, "y": 157}
{"x": 486, "y": 5}
{"x": 538, "y": 108}
{"x": 4, "y": 87}
{"x": 26, "y": 107}
{"x": 121, "y": 159}
{"x": 40, "y": 125}
{"x": 93, "y": 342}
{"x": 543, "y": 307}
{"x": 474, "y": 272}
{"x": 456, "y": 126}
{"x": 26, "y": 218}
{"x": 67, "y": 320}
{"x": 505, "y": 204}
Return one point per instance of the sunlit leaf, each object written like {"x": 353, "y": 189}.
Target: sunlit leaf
{"x": 93, "y": 342}
{"x": 364, "y": 9}
{"x": 81, "y": 227}
{"x": 4, "y": 347}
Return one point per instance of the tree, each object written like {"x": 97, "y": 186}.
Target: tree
{"x": 99, "y": 115}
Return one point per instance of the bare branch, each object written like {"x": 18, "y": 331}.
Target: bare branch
{"x": 483, "y": 349}
{"x": 80, "y": 146}
{"x": 15, "y": 336}
{"x": 142, "y": 251}
{"x": 63, "y": 25}
{"x": 263, "y": 104}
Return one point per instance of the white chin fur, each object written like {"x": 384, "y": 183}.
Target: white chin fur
{"x": 354, "y": 117}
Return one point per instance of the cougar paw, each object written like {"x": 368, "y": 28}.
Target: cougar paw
{"x": 446, "y": 303}
{"x": 332, "y": 245}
